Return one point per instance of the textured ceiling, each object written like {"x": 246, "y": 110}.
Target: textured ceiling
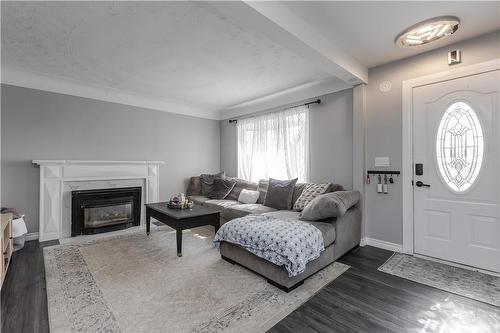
{"x": 366, "y": 29}
{"x": 177, "y": 51}
{"x": 196, "y": 58}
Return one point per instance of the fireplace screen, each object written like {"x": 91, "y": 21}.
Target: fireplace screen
{"x": 95, "y": 217}
{"x": 95, "y": 211}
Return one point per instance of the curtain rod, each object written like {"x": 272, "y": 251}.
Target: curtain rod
{"x": 318, "y": 101}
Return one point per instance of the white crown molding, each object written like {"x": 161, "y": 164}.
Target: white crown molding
{"x": 285, "y": 97}
{"x": 38, "y": 81}
{"x": 97, "y": 162}
{"x": 381, "y": 244}
{"x": 292, "y": 95}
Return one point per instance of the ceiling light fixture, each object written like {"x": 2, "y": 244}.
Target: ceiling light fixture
{"x": 428, "y": 31}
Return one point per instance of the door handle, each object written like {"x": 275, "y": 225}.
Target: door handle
{"x": 421, "y": 184}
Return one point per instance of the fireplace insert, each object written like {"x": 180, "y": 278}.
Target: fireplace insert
{"x": 103, "y": 210}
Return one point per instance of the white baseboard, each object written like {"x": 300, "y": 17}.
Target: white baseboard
{"x": 31, "y": 236}
{"x": 381, "y": 244}
{"x": 364, "y": 241}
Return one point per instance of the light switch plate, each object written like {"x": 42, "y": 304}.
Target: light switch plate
{"x": 382, "y": 162}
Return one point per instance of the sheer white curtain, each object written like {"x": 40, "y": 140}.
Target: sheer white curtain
{"x": 274, "y": 145}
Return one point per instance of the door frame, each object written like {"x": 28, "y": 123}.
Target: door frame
{"x": 407, "y": 142}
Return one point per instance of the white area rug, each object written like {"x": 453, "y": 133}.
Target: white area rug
{"x": 135, "y": 283}
{"x": 464, "y": 282}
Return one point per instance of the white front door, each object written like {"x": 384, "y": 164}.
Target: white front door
{"x": 456, "y": 126}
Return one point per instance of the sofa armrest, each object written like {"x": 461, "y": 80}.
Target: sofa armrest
{"x": 348, "y": 232}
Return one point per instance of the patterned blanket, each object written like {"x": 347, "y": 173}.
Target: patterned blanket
{"x": 288, "y": 243}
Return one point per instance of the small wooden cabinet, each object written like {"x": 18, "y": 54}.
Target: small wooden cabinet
{"x": 6, "y": 244}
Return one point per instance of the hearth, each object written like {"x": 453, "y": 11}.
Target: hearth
{"x": 103, "y": 210}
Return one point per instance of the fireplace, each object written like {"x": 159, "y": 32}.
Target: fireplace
{"x": 103, "y": 210}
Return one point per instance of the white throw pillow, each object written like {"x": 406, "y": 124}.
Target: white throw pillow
{"x": 248, "y": 196}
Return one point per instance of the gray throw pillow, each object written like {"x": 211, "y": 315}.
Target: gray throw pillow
{"x": 207, "y": 182}
{"x": 240, "y": 185}
{"x": 280, "y": 193}
{"x": 194, "y": 186}
{"x": 297, "y": 191}
{"x": 329, "y": 205}
{"x": 336, "y": 187}
{"x": 221, "y": 188}
{"x": 262, "y": 188}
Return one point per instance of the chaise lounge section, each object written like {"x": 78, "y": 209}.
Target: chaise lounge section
{"x": 340, "y": 234}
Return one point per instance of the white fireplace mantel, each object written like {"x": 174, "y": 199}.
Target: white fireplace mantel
{"x": 55, "y": 173}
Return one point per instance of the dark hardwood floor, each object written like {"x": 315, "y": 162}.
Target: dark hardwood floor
{"x": 24, "y": 297}
{"x": 366, "y": 300}
{"x": 360, "y": 300}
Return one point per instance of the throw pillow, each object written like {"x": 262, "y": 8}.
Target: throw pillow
{"x": 262, "y": 188}
{"x": 337, "y": 187}
{"x": 280, "y": 193}
{"x": 248, "y": 196}
{"x": 329, "y": 205}
{"x": 299, "y": 187}
{"x": 240, "y": 184}
{"x": 221, "y": 188}
{"x": 310, "y": 192}
{"x": 207, "y": 182}
{"x": 194, "y": 186}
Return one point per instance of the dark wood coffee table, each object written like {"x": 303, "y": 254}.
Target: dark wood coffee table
{"x": 181, "y": 219}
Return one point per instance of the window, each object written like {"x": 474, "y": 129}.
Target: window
{"x": 459, "y": 147}
{"x": 274, "y": 145}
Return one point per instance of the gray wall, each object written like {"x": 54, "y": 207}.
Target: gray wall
{"x": 384, "y": 124}
{"x": 330, "y": 140}
{"x": 42, "y": 125}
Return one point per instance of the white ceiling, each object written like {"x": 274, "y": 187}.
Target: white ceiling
{"x": 367, "y": 29}
{"x": 215, "y": 59}
{"x": 179, "y": 52}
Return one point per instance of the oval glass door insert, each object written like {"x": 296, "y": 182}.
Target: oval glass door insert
{"x": 459, "y": 147}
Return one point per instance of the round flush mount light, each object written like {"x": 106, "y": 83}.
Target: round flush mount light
{"x": 428, "y": 31}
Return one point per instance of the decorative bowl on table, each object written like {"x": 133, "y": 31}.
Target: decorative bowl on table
{"x": 176, "y": 204}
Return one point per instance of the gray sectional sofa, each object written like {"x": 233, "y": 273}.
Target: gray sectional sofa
{"x": 340, "y": 234}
